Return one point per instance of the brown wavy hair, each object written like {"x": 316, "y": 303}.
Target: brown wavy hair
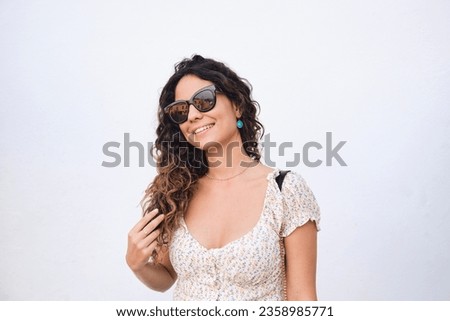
{"x": 179, "y": 164}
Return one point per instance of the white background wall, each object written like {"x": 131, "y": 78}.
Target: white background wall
{"x": 77, "y": 74}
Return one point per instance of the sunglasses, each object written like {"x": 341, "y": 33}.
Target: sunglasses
{"x": 203, "y": 100}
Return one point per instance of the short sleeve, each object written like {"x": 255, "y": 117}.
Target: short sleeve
{"x": 299, "y": 204}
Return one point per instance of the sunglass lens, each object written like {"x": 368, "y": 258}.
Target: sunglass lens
{"x": 179, "y": 112}
{"x": 204, "y": 100}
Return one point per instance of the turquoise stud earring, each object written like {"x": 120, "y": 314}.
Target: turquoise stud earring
{"x": 239, "y": 123}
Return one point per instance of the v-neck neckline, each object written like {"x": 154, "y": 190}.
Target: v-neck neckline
{"x": 270, "y": 180}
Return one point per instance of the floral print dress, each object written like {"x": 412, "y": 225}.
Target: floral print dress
{"x": 251, "y": 267}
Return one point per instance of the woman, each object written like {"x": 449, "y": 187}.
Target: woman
{"x": 215, "y": 219}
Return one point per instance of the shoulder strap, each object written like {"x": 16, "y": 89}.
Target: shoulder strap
{"x": 280, "y": 178}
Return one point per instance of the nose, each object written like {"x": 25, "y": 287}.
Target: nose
{"x": 194, "y": 114}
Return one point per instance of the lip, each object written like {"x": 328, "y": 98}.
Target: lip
{"x": 203, "y": 129}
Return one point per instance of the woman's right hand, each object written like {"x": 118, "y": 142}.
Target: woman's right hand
{"x": 142, "y": 240}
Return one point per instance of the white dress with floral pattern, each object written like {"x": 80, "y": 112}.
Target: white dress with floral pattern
{"x": 251, "y": 267}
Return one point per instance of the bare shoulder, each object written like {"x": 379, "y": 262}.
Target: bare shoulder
{"x": 260, "y": 171}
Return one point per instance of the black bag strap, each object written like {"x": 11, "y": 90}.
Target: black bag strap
{"x": 280, "y": 178}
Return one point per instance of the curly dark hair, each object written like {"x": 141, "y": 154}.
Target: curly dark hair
{"x": 179, "y": 164}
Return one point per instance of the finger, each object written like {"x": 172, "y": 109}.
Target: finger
{"x": 152, "y": 225}
{"x": 144, "y": 220}
{"x": 150, "y": 239}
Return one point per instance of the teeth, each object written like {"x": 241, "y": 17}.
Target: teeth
{"x": 203, "y": 128}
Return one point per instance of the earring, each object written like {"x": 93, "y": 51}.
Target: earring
{"x": 239, "y": 123}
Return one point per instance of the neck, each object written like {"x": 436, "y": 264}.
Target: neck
{"x": 228, "y": 161}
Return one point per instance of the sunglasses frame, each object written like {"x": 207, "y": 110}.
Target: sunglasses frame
{"x": 211, "y": 88}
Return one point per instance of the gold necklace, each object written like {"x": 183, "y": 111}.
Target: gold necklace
{"x": 228, "y": 178}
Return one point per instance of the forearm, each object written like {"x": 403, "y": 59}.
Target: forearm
{"x": 155, "y": 276}
{"x": 308, "y": 294}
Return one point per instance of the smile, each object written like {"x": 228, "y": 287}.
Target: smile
{"x": 203, "y": 128}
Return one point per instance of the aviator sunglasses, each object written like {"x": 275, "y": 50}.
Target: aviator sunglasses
{"x": 203, "y": 100}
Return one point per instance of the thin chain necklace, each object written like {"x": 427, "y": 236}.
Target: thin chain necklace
{"x": 228, "y": 178}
